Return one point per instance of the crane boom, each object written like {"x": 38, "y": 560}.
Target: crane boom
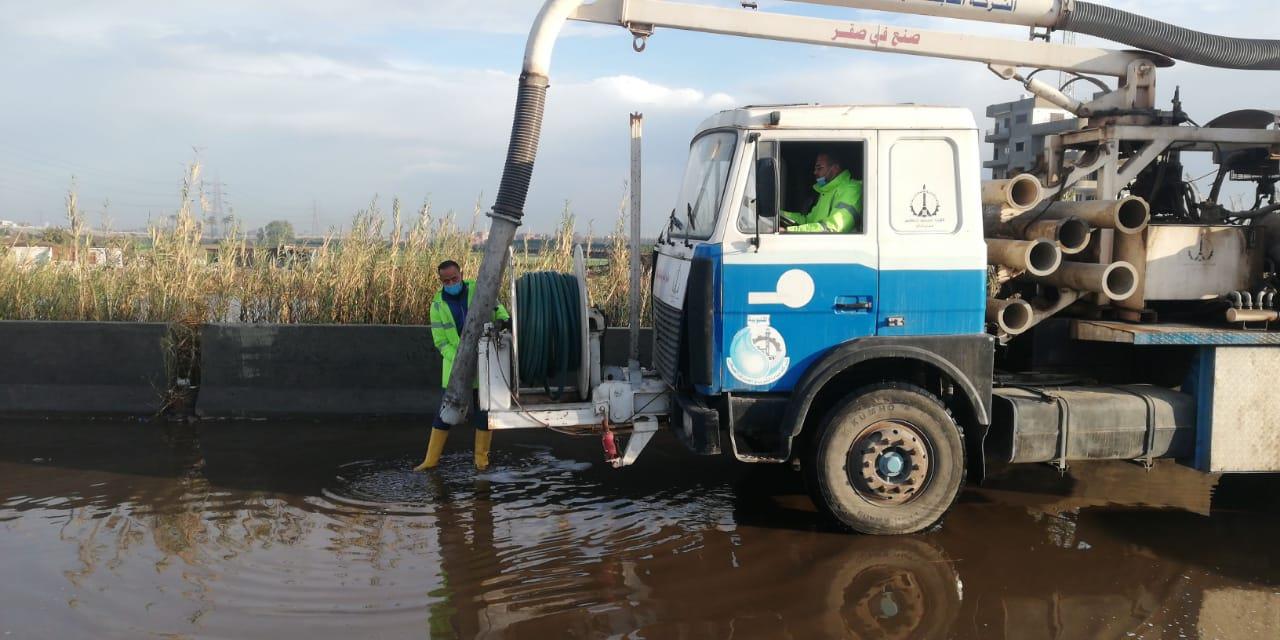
{"x": 642, "y": 16}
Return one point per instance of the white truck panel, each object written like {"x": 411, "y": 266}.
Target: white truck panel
{"x": 1238, "y": 411}
{"x": 1194, "y": 262}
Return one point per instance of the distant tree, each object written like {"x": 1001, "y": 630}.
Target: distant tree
{"x": 54, "y": 236}
{"x": 276, "y": 233}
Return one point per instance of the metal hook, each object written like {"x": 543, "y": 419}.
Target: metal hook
{"x": 641, "y": 33}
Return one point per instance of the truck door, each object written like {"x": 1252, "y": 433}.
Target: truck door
{"x": 932, "y": 255}
{"x": 799, "y": 294}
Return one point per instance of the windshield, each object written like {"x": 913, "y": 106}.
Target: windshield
{"x": 703, "y": 188}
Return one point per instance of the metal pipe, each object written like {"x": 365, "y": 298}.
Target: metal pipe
{"x": 1020, "y": 192}
{"x": 1031, "y": 13}
{"x": 508, "y": 208}
{"x": 1248, "y": 299}
{"x": 1129, "y": 214}
{"x": 1116, "y": 281}
{"x": 1066, "y": 298}
{"x": 1234, "y": 299}
{"x": 1012, "y": 316}
{"x": 1042, "y": 90}
{"x": 1252, "y": 315}
{"x": 1036, "y": 257}
{"x": 633, "y": 316}
{"x": 1072, "y": 234}
{"x": 995, "y": 219}
{"x": 1095, "y": 20}
{"x": 1258, "y": 301}
{"x": 1132, "y": 248}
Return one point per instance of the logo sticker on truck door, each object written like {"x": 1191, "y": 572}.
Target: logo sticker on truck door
{"x": 757, "y": 353}
{"x": 923, "y": 189}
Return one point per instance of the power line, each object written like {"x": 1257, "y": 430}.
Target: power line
{"x": 46, "y": 159}
{"x": 64, "y": 180}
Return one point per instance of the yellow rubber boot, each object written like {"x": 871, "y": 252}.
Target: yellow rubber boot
{"x": 483, "y": 440}
{"x": 434, "y": 448}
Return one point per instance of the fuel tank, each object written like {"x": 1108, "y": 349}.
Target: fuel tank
{"x": 1123, "y": 422}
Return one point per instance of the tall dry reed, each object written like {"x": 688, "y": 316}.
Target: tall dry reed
{"x": 382, "y": 270}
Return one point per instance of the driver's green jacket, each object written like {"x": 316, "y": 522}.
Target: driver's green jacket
{"x": 838, "y": 209}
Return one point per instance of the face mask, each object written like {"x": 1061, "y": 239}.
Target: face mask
{"x": 453, "y": 289}
{"x": 822, "y": 182}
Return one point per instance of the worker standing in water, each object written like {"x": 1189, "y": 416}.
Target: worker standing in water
{"x": 448, "y": 314}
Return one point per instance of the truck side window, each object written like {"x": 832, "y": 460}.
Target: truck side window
{"x": 822, "y": 186}
{"x": 747, "y": 208}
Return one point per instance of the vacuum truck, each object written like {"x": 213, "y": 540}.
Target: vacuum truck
{"x": 1083, "y": 302}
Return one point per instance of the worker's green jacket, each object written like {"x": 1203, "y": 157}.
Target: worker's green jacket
{"x": 838, "y": 210}
{"x": 444, "y": 330}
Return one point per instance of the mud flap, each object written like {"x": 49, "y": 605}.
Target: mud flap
{"x": 696, "y": 425}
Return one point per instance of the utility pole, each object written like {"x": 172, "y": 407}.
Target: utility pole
{"x": 217, "y": 207}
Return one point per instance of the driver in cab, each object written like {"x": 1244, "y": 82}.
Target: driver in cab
{"x": 839, "y": 205}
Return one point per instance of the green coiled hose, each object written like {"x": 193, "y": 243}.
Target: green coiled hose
{"x": 549, "y": 328}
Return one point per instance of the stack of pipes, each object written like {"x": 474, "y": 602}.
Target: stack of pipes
{"x": 1028, "y": 237}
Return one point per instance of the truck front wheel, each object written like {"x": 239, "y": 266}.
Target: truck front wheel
{"x": 887, "y": 460}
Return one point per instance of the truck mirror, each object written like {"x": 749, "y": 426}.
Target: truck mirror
{"x": 766, "y": 188}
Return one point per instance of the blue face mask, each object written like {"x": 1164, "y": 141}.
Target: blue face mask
{"x": 453, "y": 289}
{"x": 822, "y": 182}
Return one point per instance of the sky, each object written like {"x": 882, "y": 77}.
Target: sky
{"x": 306, "y": 110}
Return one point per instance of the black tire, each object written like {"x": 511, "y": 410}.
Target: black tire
{"x": 907, "y": 470}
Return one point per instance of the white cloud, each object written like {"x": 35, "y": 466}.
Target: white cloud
{"x": 638, "y": 91}
{"x": 301, "y": 100}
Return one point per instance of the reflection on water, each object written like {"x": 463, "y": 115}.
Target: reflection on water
{"x": 226, "y": 530}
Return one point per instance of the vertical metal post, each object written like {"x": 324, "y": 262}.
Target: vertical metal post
{"x": 633, "y": 357}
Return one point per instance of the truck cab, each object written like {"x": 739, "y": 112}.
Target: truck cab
{"x": 760, "y": 307}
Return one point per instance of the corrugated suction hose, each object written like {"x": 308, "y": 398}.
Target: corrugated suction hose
{"x": 1171, "y": 40}
{"x": 526, "y": 127}
{"x": 549, "y": 327}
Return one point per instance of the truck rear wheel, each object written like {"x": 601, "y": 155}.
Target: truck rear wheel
{"x": 887, "y": 460}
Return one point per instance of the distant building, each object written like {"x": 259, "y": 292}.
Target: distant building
{"x": 105, "y": 257}
{"x": 1016, "y": 138}
{"x": 31, "y": 256}
{"x": 8, "y": 224}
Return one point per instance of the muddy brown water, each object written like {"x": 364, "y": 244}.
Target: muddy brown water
{"x": 281, "y": 531}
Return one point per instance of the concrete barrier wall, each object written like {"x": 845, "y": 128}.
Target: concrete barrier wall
{"x": 250, "y": 371}
{"x": 82, "y": 368}
{"x": 261, "y": 371}
{"x": 246, "y": 371}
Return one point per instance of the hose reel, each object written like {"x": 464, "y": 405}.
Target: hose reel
{"x": 551, "y": 326}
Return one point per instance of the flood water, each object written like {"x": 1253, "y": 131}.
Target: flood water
{"x": 223, "y": 530}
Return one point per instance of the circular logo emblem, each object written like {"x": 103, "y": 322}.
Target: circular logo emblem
{"x": 758, "y": 353}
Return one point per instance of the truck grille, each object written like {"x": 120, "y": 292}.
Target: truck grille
{"x": 666, "y": 339}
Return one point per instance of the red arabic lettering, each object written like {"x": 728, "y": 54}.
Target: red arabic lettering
{"x": 860, "y": 34}
{"x": 902, "y": 38}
